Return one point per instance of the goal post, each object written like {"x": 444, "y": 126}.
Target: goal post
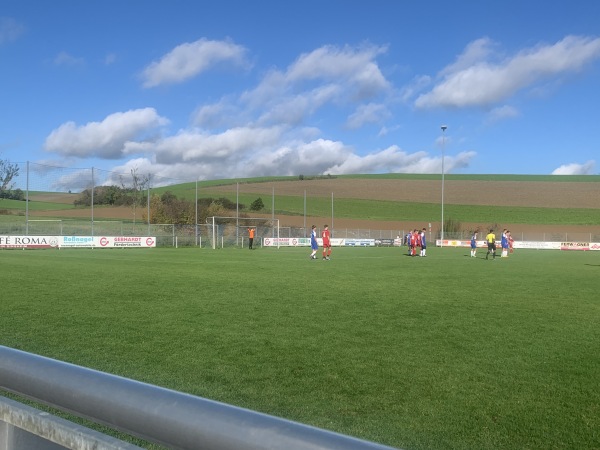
{"x": 44, "y": 227}
{"x": 234, "y": 231}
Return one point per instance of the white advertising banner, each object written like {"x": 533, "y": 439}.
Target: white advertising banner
{"x": 76, "y": 241}
{"x": 38, "y": 242}
{"x": 299, "y": 242}
{"x": 538, "y": 245}
{"x": 535, "y": 245}
{"x": 286, "y": 242}
{"x": 29, "y": 241}
{"x": 125, "y": 241}
{"x": 359, "y": 242}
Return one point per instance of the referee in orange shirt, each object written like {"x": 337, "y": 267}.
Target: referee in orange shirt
{"x": 250, "y": 237}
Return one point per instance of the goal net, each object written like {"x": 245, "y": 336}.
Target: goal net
{"x": 234, "y": 231}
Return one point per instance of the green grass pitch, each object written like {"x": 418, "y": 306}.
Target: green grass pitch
{"x": 443, "y": 352}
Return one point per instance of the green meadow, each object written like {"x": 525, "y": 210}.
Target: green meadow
{"x": 372, "y": 210}
{"x": 349, "y": 208}
{"x": 442, "y": 352}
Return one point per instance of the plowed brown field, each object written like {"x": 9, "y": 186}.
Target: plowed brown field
{"x": 498, "y": 193}
{"x": 460, "y": 192}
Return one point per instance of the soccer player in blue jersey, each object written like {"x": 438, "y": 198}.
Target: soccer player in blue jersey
{"x": 474, "y": 245}
{"x": 423, "y": 243}
{"x": 504, "y": 244}
{"x": 313, "y": 242}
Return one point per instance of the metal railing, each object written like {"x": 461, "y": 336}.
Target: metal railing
{"x": 166, "y": 417}
{"x": 23, "y": 427}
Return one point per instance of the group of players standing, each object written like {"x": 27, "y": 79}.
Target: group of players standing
{"x": 416, "y": 238}
{"x": 506, "y": 242}
{"x": 326, "y": 237}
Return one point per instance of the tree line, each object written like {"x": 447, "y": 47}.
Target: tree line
{"x": 8, "y": 172}
{"x": 164, "y": 208}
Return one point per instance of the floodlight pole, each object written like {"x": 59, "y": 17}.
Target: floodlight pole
{"x": 148, "y": 206}
{"x": 332, "y": 211}
{"x": 92, "y": 199}
{"x": 304, "y": 225}
{"x": 444, "y": 127}
{"x": 196, "y": 211}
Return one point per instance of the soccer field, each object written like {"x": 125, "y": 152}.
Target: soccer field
{"x": 442, "y": 352}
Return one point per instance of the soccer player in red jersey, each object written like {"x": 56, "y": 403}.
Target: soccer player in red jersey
{"x": 325, "y": 235}
{"x": 413, "y": 243}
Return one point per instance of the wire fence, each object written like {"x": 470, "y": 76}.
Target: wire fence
{"x": 34, "y": 179}
{"x": 232, "y": 235}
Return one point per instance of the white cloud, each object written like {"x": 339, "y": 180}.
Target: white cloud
{"x": 369, "y": 113}
{"x": 328, "y": 74}
{"x": 66, "y": 59}
{"x": 356, "y": 67}
{"x": 55, "y": 177}
{"x": 110, "y": 58}
{"x": 501, "y": 113}
{"x": 263, "y": 131}
{"x": 417, "y": 84}
{"x": 294, "y": 158}
{"x": 190, "y": 59}
{"x": 248, "y": 152}
{"x": 107, "y": 139}
{"x": 475, "y": 52}
{"x": 74, "y": 181}
{"x": 327, "y": 77}
{"x": 475, "y": 80}
{"x": 293, "y": 110}
{"x": 586, "y": 168}
{"x": 122, "y": 174}
{"x": 10, "y": 29}
{"x": 386, "y": 130}
{"x": 217, "y": 115}
{"x": 227, "y": 149}
{"x": 394, "y": 160}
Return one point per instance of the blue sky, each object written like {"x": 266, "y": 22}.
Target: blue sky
{"x": 205, "y": 90}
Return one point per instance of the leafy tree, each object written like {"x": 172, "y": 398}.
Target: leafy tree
{"x": 84, "y": 199}
{"x": 452, "y": 226}
{"x": 8, "y": 172}
{"x": 228, "y": 204}
{"x": 178, "y": 211}
{"x": 111, "y": 195}
{"x": 139, "y": 183}
{"x": 103, "y": 195}
{"x": 157, "y": 211}
{"x": 257, "y": 205}
{"x": 214, "y": 209}
{"x": 17, "y": 194}
{"x": 168, "y": 197}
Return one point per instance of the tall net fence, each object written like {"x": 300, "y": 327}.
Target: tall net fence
{"x": 41, "y": 194}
